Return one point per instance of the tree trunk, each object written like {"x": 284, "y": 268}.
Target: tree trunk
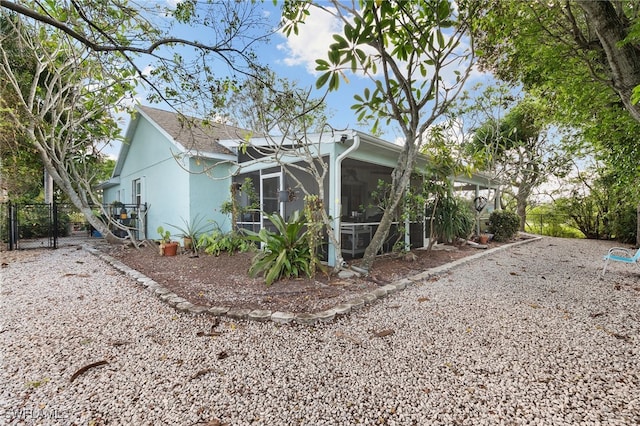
{"x": 521, "y": 210}
{"x": 401, "y": 177}
{"x": 522, "y": 197}
{"x": 638, "y": 227}
{"x": 623, "y": 59}
{"x": 85, "y": 209}
{"x": 62, "y": 179}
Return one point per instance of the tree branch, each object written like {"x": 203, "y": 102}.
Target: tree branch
{"x": 98, "y": 47}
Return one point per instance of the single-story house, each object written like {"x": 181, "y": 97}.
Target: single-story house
{"x": 181, "y": 170}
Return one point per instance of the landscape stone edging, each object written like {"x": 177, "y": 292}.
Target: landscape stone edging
{"x": 260, "y": 315}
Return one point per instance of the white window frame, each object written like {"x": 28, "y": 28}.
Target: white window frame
{"x": 136, "y": 191}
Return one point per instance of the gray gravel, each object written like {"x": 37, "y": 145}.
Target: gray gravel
{"x": 527, "y": 335}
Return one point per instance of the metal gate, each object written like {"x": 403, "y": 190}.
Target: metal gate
{"x": 39, "y": 225}
{"x": 28, "y": 226}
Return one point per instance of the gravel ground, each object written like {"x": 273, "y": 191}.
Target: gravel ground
{"x": 526, "y": 335}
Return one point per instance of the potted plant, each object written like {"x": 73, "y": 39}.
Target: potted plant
{"x": 116, "y": 208}
{"x": 244, "y": 204}
{"x": 190, "y": 232}
{"x": 483, "y": 238}
{"x": 167, "y": 247}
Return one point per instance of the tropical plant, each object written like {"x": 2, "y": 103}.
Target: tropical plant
{"x": 191, "y": 230}
{"x": 235, "y": 208}
{"x": 60, "y": 100}
{"x": 67, "y": 69}
{"x": 572, "y": 52}
{"x": 313, "y": 205}
{"x": 272, "y": 105}
{"x": 217, "y": 242}
{"x": 410, "y": 209}
{"x": 518, "y": 149}
{"x": 452, "y": 218}
{"x": 286, "y": 252}
{"x": 165, "y": 235}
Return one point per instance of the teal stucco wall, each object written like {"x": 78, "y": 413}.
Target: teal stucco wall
{"x": 209, "y": 187}
{"x": 164, "y": 183}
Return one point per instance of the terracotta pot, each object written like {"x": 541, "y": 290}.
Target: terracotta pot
{"x": 170, "y": 249}
{"x": 188, "y": 243}
{"x": 483, "y": 239}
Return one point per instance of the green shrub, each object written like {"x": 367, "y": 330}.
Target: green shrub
{"x": 624, "y": 223}
{"x": 503, "y": 225}
{"x": 286, "y": 252}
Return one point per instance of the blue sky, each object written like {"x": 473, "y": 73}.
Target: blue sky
{"x": 294, "y": 58}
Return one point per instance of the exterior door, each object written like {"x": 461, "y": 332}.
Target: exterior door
{"x": 270, "y": 186}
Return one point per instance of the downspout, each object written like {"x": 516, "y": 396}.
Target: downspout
{"x": 338, "y": 191}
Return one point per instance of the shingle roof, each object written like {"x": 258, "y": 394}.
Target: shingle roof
{"x": 192, "y": 134}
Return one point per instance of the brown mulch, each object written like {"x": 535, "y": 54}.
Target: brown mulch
{"x": 223, "y": 280}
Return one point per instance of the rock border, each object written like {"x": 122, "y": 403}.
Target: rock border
{"x": 278, "y": 317}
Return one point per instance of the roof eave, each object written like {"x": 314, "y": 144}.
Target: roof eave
{"x": 114, "y": 181}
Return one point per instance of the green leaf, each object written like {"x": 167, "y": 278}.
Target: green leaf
{"x": 444, "y": 10}
{"x": 322, "y": 65}
{"x": 341, "y": 42}
{"x": 354, "y": 64}
{"x": 441, "y": 41}
{"x": 322, "y": 80}
{"x": 348, "y": 31}
{"x": 635, "y": 95}
{"x": 334, "y": 83}
{"x": 334, "y": 56}
{"x": 374, "y": 129}
{"x": 365, "y": 34}
{"x": 362, "y": 56}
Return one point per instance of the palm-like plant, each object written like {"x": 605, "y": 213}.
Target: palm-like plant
{"x": 191, "y": 231}
{"x": 285, "y": 253}
{"x": 452, "y": 218}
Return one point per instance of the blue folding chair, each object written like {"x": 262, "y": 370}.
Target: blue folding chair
{"x": 619, "y": 254}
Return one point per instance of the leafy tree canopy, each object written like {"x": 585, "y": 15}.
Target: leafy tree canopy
{"x": 581, "y": 58}
{"x": 190, "y": 73}
{"x": 406, "y": 49}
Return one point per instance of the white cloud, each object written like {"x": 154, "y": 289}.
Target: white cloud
{"x": 312, "y": 41}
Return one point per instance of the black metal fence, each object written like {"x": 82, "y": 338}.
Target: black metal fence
{"x": 125, "y": 218}
{"x": 29, "y": 226}
{"x": 39, "y": 225}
